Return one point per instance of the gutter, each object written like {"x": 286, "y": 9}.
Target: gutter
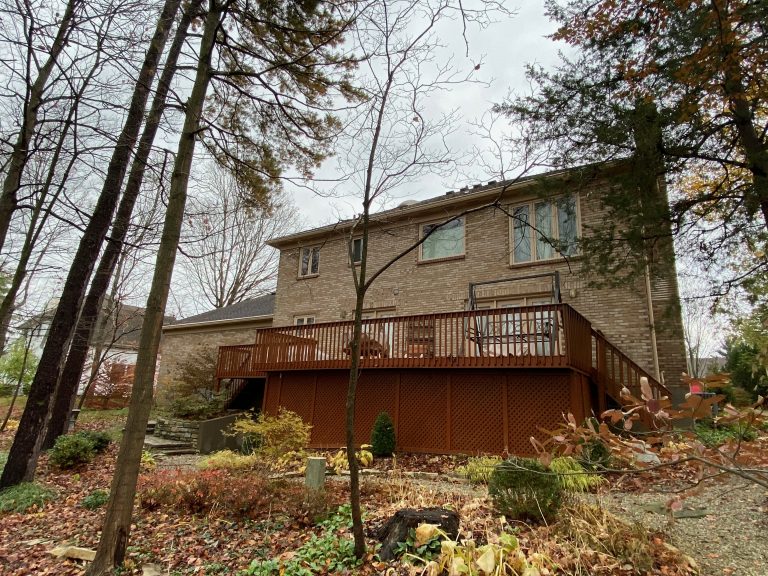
{"x": 215, "y": 323}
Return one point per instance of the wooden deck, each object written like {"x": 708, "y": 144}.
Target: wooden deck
{"x": 531, "y": 337}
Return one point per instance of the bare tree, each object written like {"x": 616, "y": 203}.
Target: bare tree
{"x": 393, "y": 139}
{"x": 227, "y": 259}
{"x": 36, "y": 75}
{"x": 701, "y": 329}
{"x": 24, "y": 453}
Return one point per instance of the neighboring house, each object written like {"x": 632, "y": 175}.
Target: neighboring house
{"x": 484, "y": 333}
{"x": 204, "y": 333}
{"x": 114, "y": 344}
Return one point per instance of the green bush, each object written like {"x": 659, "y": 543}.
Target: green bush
{"x": 524, "y": 489}
{"x": 24, "y": 496}
{"x": 595, "y": 455}
{"x": 95, "y": 499}
{"x": 71, "y": 450}
{"x": 478, "y": 470}
{"x": 100, "y": 440}
{"x": 383, "y": 436}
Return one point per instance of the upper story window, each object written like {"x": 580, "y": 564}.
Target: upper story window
{"x": 443, "y": 240}
{"x": 309, "y": 262}
{"x": 544, "y": 229}
{"x": 303, "y": 320}
{"x": 357, "y": 250}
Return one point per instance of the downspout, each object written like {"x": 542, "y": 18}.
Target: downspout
{"x": 652, "y": 322}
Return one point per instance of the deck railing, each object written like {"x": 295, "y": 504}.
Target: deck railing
{"x": 505, "y": 337}
{"x": 615, "y": 370}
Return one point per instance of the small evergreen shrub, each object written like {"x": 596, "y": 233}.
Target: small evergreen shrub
{"x": 24, "y": 496}
{"x": 478, "y": 470}
{"x": 383, "y": 436}
{"x": 71, "y": 450}
{"x": 524, "y": 489}
{"x": 95, "y": 499}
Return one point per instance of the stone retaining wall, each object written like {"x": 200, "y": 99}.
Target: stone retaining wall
{"x": 181, "y": 430}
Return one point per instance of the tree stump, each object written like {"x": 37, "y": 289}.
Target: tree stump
{"x": 396, "y": 529}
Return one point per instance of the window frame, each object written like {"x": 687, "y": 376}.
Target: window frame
{"x": 533, "y": 226}
{"x": 306, "y": 320}
{"x": 351, "y": 254}
{"x": 309, "y": 273}
{"x": 439, "y": 223}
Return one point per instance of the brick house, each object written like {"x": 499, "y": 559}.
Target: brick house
{"x": 485, "y": 332}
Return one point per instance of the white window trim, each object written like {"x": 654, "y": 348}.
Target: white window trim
{"x": 556, "y": 232}
{"x": 304, "y": 319}
{"x": 309, "y": 274}
{"x": 463, "y": 220}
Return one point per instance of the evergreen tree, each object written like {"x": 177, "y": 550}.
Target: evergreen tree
{"x": 701, "y": 66}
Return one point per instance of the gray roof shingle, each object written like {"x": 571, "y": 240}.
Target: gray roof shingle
{"x": 261, "y": 306}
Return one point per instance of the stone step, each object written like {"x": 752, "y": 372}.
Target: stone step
{"x": 179, "y": 451}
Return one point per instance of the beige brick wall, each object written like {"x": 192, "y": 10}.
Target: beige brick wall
{"x": 180, "y": 343}
{"x": 413, "y": 287}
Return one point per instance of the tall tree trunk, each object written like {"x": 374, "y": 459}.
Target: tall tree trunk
{"x": 117, "y": 522}
{"x": 31, "y": 108}
{"x": 22, "y": 459}
{"x": 78, "y": 352}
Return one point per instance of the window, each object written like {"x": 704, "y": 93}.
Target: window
{"x": 544, "y": 229}
{"x": 357, "y": 250}
{"x": 444, "y": 240}
{"x": 309, "y": 262}
{"x": 303, "y": 320}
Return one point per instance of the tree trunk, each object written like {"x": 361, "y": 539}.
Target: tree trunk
{"x": 33, "y": 101}
{"x": 117, "y": 523}
{"x": 78, "y": 352}
{"x": 22, "y": 458}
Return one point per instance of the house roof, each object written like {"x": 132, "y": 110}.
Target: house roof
{"x": 251, "y": 308}
{"x": 473, "y": 193}
{"x": 122, "y": 330}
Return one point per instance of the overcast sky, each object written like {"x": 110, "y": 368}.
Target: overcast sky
{"x": 504, "y": 48}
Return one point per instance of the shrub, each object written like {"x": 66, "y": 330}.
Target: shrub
{"x": 95, "y": 499}
{"x": 24, "y": 496}
{"x": 71, "y": 450}
{"x": 192, "y": 395}
{"x": 224, "y": 493}
{"x": 595, "y": 455}
{"x": 273, "y": 436}
{"x": 572, "y": 475}
{"x": 229, "y": 460}
{"x": 592, "y": 527}
{"x": 478, "y": 470}
{"x": 100, "y": 440}
{"x": 523, "y": 489}
{"x": 383, "y": 435}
